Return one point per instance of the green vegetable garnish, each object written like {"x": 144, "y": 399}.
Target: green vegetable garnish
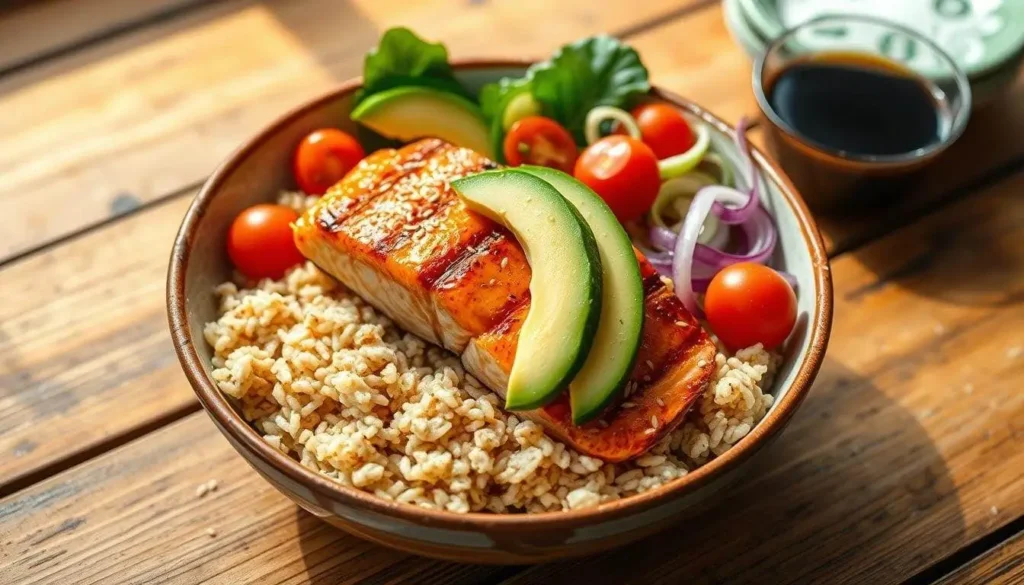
{"x": 596, "y": 71}
{"x": 403, "y": 59}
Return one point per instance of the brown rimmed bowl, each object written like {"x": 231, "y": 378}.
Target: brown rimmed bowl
{"x": 260, "y": 169}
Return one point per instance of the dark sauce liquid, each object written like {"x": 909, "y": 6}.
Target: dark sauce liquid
{"x": 851, "y": 105}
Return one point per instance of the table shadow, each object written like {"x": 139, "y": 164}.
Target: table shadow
{"x": 971, "y": 257}
{"x": 767, "y": 529}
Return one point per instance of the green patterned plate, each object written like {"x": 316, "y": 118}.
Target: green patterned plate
{"x": 742, "y": 32}
{"x": 982, "y": 36}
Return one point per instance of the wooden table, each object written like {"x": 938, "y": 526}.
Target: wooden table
{"x": 904, "y": 465}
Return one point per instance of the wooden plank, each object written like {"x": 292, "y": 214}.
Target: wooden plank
{"x": 905, "y": 452}
{"x": 85, "y": 336}
{"x": 1003, "y": 564}
{"x": 152, "y": 113}
{"x": 42, "y": 28}
{"x": 63, "y": 361}
{"x": 83, "y": 526}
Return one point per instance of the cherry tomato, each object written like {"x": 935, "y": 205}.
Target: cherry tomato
{"x": 323, "y": 158}
{"x": 748, "y": 303}
{"x": 260, "y": 242}
{"x": 624, "y": 172}
{"x": 536, "y": 140}
{"x": 664, "y": 129}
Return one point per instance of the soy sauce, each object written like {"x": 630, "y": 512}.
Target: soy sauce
{"x": 856, "y": 107}
{"x": 839, "y": 112}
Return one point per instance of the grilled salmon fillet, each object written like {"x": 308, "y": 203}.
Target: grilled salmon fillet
{"x": 395, "y": 233}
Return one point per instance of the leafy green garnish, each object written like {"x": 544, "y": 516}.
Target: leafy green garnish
{"x": 403, "y": 59}
{"x": 596, "y": 71}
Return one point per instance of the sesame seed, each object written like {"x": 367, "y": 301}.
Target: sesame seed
{"x": 211, "y": 485}
{"x": 504, "y": 262}
{"x": 211, "y": 532}
{"x": 647, "y": 378}
{"x": 661, "y": 402}
{"x": 1015, "y": 352}
{"x": 654, "y": 421}
{"x": 201, "y": 490}
{"x": 701, "y": 363}
{"x": 490, "y": 282}
{"x": 628, "y": 405}
{"x": 650, "y": 432}
{"x": 650, "y": 364}
{"x": 603, "y": 423}
{"x": 682, "y": 324}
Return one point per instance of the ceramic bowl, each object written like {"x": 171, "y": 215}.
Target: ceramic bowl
{"x": 260, "y": 169}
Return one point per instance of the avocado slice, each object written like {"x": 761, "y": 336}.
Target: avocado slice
{"x": 411, "y": 112}
{"x": 565, "y": 290}
{"x": 617, "y": 339}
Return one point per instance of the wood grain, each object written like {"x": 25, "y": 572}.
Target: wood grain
{"x": 84, "y": 349}
{"x": 1002, "y": 565}
{"x": 133, "y": 516}
{"x": 149, "y": 114}
{"x": 38, "y": 29}
{"x": 905, "y": 452}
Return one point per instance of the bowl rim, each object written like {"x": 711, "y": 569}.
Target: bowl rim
{"x": 242, "y": 434}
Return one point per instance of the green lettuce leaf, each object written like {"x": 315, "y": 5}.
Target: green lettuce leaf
{"x": 597, "y": 71}
{"x": 403, "y": 59}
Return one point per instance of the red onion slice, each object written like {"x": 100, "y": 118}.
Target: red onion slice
{"x": 662, "y": 237}
{"x": 740, "y": 213}
{"x": 762, "y": 238}
{"x": 686, "y": 243}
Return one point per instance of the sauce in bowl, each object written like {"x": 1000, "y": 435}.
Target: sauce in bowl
{"x": 850, "y": 125}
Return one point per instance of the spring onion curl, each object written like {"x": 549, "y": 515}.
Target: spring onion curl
{"x": 675, "y": 191}
{"x": 680, "y": 164}
{"x": 597, "y": 115}
{"x": 676, "y": 195}
{"x": 713, "y": 165}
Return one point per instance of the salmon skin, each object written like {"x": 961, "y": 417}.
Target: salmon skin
{"x": 395, "y": 233}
